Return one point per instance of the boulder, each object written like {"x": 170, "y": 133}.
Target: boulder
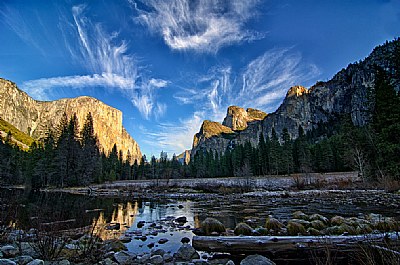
{"x": 300, "y": 215}
{"x": 185, "y": 240}
{"x": 36, "y": 262}
{"x": 256, "y": 259}
{"x": 294, "y": 229}
{"x": 186, "y": 253}
{"x": 114, "y": 245}
{"x": 108, "y": 261}
{"x": 210, "y": 225}
{"x": 7, "y": 262}
{"x": 9, "y": 251}
{"x": 243, "y": 229}
{"x": 273, "y": 224}
{"x": 158, "y": 251}
{"x": 168, "y": 257}
{"x": 181, "y": 220}
{"x": 337, "y": 220}
{"x": 156, "y": 260}
{"x": 22, "y": 260}
{"x": 315, "y": 217}
{"x": 124, "y": 257}
{"x": 163, "y": 241}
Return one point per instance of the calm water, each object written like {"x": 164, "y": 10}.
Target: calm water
{"x": 25, "y": 210}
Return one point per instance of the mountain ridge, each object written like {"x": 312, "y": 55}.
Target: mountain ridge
{"x": 35, "y": 117}
{"x": 346, "y": 93}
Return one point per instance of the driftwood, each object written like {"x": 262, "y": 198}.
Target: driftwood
{"x": 282, "y": 244}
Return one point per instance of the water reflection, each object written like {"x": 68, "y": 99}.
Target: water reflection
{"x": 123, "y": 216}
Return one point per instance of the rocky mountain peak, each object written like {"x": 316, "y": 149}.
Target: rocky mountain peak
{"x": 209, "y": 129}
{"x": 237, "y": 117}
{"x": 35, "y": 118}
{"x": 296, "y": 91}
{"x": 345, "y": 95}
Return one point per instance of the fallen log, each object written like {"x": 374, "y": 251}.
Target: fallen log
{"x": 277, "y": 244}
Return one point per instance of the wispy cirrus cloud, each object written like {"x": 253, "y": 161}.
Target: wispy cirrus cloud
{"x": 175, "y": 137}
{"x": 107, "y": 58}
{"x": 201, "y": 26}
{"x": 40, "y": 88}
{"x": 261, "y": 84}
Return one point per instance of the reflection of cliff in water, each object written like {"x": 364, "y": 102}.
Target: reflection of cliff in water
{"x": 123, "y": 217}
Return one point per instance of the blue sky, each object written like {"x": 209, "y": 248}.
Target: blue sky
{"x": 169, "y": 65}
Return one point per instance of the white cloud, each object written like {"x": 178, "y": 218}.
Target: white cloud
{"x": 40, "y": 88}
{"x": 202, "y": 26}
{"x": 106, "y": 57}
{"x": 145, "y": 98}
{"x": 261, "y": 84}
{"x": 175, "y": 137}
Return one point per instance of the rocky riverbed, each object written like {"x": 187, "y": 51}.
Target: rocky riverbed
{"x": 138, "y": 226}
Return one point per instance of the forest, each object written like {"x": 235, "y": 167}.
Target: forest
{"x": 70, "y": 156}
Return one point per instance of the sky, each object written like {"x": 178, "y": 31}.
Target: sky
{"x": 169, "y": 65}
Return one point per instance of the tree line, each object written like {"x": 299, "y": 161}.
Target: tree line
{"x": 69, "y": 156}
{"x": 373, "y": 150}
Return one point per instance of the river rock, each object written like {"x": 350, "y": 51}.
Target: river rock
{"x": 108, "y": 261}
{"x": 9, "y": 251}
{"x": 273, "y": 224}
{"x": 300, "y": 215}
{"x": 256, "y": 259}
{"x": 181, "y": 219}
{"x": 168, "y": 257}
{"x": 36, "y": 262}
{"x": 158, "y": 251}
{"x": 294, "y": 229}
{"x": 212, "y": 225}
{"x": 186, "y": 253}
{"x": 124, "y": 257}
{"x": 243, "y": 229}
{"x": 185, "y": 240}
{"x": 163, "y": 240}
{"x": 27, "y": 249}
{"x": 144, "y": 259}
{"x": 114, "y": 245}
{"x": 22, "y": 260}
{"x": 156, "y": 260}
{"x": 7, "y": 262}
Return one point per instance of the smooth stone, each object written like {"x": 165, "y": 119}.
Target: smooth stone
{"x": 163, "y": 241}
{"x": 168, "y": 257}
{"x": 108, "y": 261}
{"x": 9, "y": 251}
{"x": 256, "y": 259}
{"x": 124, "y": 257}
{"x": 36, "y": 262}
{"x": 156, "y": 260}
{"x": 158, "y": 251}
{"x": 22, "y": 260}
{"x": 181, "y": 219}
{"x": 199, "y": 262}
{"x": 185, "y": 240}
{"x": 186, "y": 253}
{"x": 7, "y": 262}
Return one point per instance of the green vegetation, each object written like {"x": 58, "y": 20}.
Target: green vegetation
{"x": 16, "y": 134}
{"x": 72, "y": 157}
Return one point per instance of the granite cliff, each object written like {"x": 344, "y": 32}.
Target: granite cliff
{"x": 35, "y": 118}
{"x": 345, "y": 94}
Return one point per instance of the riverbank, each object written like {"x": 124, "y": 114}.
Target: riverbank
{"x": 142, "y": 188}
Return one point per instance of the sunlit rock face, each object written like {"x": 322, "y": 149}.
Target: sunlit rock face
{"x": 36, "y": 118}
{"x": 347, "y": 93}
{"x": 237, "y": 118}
